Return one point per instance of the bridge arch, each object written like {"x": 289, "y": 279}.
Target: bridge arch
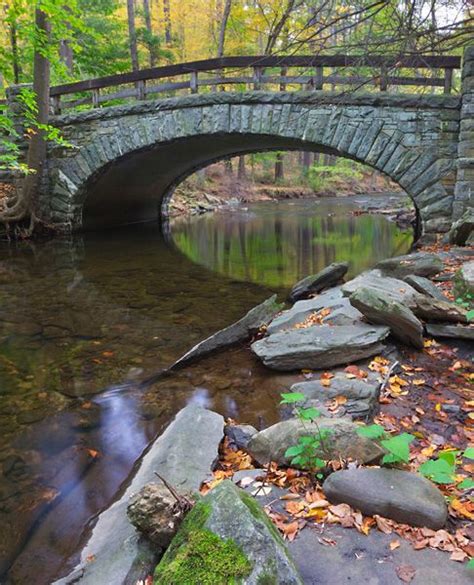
{"x": 129, "y": 157}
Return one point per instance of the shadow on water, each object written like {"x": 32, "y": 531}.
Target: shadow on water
{"x": 82, "y": 315}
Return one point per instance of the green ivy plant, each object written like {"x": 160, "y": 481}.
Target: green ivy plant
{"x": 305, "y": 453}
{"x": 443, "y": 469}
{"x": 467, "y": 302}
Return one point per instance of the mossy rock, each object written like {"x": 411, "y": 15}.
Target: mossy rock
{"x": 227, "y": 539}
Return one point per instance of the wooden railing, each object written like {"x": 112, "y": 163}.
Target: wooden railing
{"x": 308, "y": 72}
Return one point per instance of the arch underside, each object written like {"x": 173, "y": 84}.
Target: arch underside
{"x": 127, "y": 166}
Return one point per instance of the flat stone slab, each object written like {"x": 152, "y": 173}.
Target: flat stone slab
{"x": 315, "y": 283}
{"x": 272, "y": 443}
{"x": 393, "y": 288}
{"x": 454, "y": 331}
{"x": 184, "y": 455}
{"x": 301, "y": 310}
{"x": 425, "y": 286}
{"x": 431, "y": 309}
{"x": 320, "y": 346}
{"x": 400, "y": 495}
{"x": 419, "y": 263}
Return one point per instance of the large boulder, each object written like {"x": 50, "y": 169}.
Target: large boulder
{"x": 431, "y": 309}
{"x": 380, "y": 309}
{"x": 462, "y": 229}
{"x": 239, "y": 331}
{"x": 453, "y": 331}
{"x": 184, "y": 455}
{"x": 227, "y": 538}
{"x": 425, "y": 286}
{"x": 400, "y": 495}
{"x": 343, "y": 441}
{"x": 315, "y": 283}
{"x": 419, "y": 263}
{"x": 361, "y": 394}
{"x": 320, "y": 346}
{"x": 394, "y": 288}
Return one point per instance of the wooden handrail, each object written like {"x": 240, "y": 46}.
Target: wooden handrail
{"x": 259, "y": 63}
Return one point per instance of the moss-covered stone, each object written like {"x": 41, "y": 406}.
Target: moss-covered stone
{"x": 204, "y": 559}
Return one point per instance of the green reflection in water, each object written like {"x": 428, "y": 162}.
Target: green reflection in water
{"x": 278, "y": 243}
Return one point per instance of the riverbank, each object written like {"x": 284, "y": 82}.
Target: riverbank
{"x": 414, "y": 397}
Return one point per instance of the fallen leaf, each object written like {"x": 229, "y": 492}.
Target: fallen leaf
{"x": 406, "y": 573}
{"x": 394, "y": 544}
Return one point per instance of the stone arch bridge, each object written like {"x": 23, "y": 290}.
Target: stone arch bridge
{"x": 128, "y": 158}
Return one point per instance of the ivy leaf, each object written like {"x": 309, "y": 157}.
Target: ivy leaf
{"x": 294, "y": 451}
{"x": 469, "y": 453}
{"x": 466, "y": 484}
{"x": 449, "y": 456}
{"x": 398, "y": 448}
{"x": 371, "y": 432}
{"x": 292, "y": 398}
{"x": 309, "y": 413}
{"x": 439, "y": 471}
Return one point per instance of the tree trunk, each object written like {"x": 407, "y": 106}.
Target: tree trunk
{"x": 132, "y": 35}
{"x": 241, "y": 173}
{"x": 167, "y": 13}
{"x": 36, "y": 155}
{"x": 14, "y": 47}
{"x": 225, "y": 18}
{"x": 306, "y": 162}
{"x": 65, "y": 53}
{"x": 149, "y": 29}
{"x": 279, "y": 172}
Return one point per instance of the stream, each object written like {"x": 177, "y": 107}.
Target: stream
{"x": 84, "y": 319}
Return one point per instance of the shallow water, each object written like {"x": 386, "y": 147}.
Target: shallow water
{"x": 82, "y": 320}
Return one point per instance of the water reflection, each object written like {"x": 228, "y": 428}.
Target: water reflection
{"x": 278, "y": 243}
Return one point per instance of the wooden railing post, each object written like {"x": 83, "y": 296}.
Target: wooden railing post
{"x": 319, "y": 78}
{"x": 141, "y": 90}
{"x": 56, "y": 104}
{"x": 383, "y": 78}
{"x": 193, "y": 83}
{"x": 257, "y": 77}
{"x": 448, "y": 80}
{"x": 283, "y": 74}
{"x": 95, "y": 98}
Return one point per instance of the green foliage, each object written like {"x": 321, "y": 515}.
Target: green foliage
{"x": 398, "y": 448}
{"x": 443, "y": 469}
{"x": 292, "y": 397}
{"x": 466, "y": 301}
{"x": 372, "y": 432}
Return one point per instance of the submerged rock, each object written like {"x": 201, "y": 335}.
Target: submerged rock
{"x": 379, "y": 309}
{"x": 400, "y": 495}
{"x": 315, "y": 283}
{"x": 343, "y": 441}
{"x": 419, "y": 263}
{"x": 320, "y": 346}
{"x": 454, "y": 331}
{"x": 227, "y": 538}
{"x": 425, "y": 286}
{"x": 394, "y": 288}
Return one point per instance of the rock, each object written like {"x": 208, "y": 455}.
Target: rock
{"x": 419, "y": 263}
{"x": 240, "y": 435}
{"x": 393, "y": 288}
{"x": 272, "y": 443}
{"x": 425, "y": 286}
{"x": 362, "y": 395}
{"x": 152, "y": 512}
{"x": 234, "y": 541}
{"x": 331, "y": 299}
{"x": 464, "y": 280}
{"x": 400, "y": 495}
{"x": 381, "y": 310}
{"x": 184, "y": 455}
{"x": 455, "y": 331}
{"x": 239, "y": 331}
{"x": 320, "y": 346}
{"x": 431, "y": 309}
{"x": 315, "y": 283}
{"x": 462, "y": 229}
